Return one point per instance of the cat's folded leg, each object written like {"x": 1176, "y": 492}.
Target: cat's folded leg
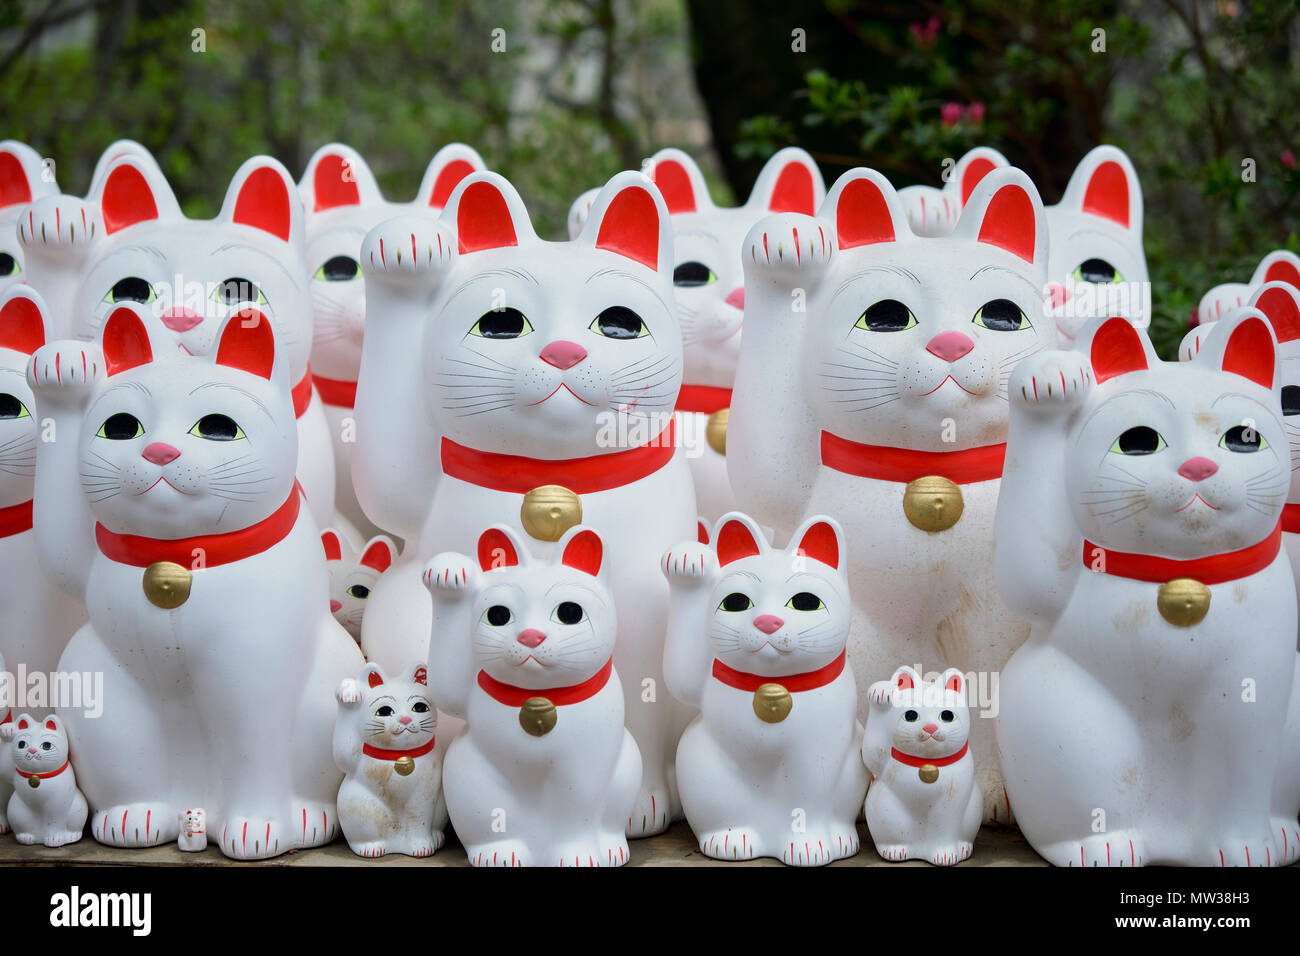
{"x": 482, "y": 809}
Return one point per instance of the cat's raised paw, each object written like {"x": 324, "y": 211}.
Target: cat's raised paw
{"x": 1051, "y": 381}
{"x": 791, "y": 243}
{"x": 450, "y": 572}
{"x": 348, "y": 692}
{"x": 406, "y": 247}
{"x": 689, "y": 562}
{"x": 65, "y": 367}
{"x": 881, "y": 692}
{"x": 58, "y": 221}
{"x": 136, "y": 825}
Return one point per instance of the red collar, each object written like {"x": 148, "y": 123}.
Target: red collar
{"x": 703, "y": 398}
{"x": 379, "y": 753}
{"x": 913, "y": 761}
{"x": 16, "y": 519}
{"x": 302, "y": 394}
{"x": 215, "y": 548}
{"x": 1215, "y": 569}
{"x": 335, "y": 391}
{"x": 882, "y": 462}
{"x": 43, "y": 776}
{"x": 1291, "y": 518}
{"x": 794, "y": 683}
{"x": 513, "y": 696}
{"x": 582, "y": 476}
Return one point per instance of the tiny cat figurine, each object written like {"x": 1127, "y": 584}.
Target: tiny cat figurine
{"x": 756, "y": 640}
{"x": 24, "y": 178}
{"x": 1280, "y": 265}
{"x": 193, "y": 837}
{"x": 6, "y": 779}
{"x": 923, "y": 803}
{"x": 353, "y": 576}
{"x": 45, "y": 806}
{"x": 385, "y": 743}
{"x": 169, "y": 496}
{"x": 343, "y": 202}
{"x": 545, "y": 773}
{"x": 934, "y": 212}
{"x": 1139, "y": 528}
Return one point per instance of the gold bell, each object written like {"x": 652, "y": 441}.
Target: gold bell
{"x": 932, "y": 503}
{"x": 404, "y": 765}
{"x": 33, "y": 782}
{"x": 537, "y": 716}
{"x": 167, "y": 584}
{"x": 715, "y": 432}
{"x": 928, "y": 773}
{"x": 772, "y": 703}
{"x": 550, "y": 510}
{"x": 1183, "y": 602}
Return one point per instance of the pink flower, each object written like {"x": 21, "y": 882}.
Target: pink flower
{"x": 1288, "y": 159}
{"x": 975, "y": 113}
{"x": 926, "y": 34}
{"x": 950, "y": 113}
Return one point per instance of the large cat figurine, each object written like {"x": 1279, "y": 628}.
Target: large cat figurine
{"x": 128, "y": 241}
{"x": 1152, "y": 716}
{"x": 756, "y": 640}
{"x": 343, "y": 203}
{"x": 168, "y": 493}
{"x": 708, "y": 284}
{"x": 545, "y": 774}
{"x": 24, "y": 178}
{"x": 1280, "y": 265}
{"x": 509, "y": 379}
{"x": 872, "y": 387}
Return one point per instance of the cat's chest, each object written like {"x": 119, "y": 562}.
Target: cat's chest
{"x": 751, "y": 722}
{"x": 399, "y": 776}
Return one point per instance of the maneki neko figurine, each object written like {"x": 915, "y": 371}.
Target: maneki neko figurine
{"x": 545, "y": 773}
{"x": 1138, "y": 528}
{"x": 353, "y": 575}
{"x": 708, "y": 284}
{"x": 128, "y": 241}
{"x": 45, "y": 805}
{"x": 1280, "y": 265}
{"x": 498, "y": 386}
{"x": 169, "y": 497}
{"x": 883, "y": 403}
{"x": 756, "y": 640}
{"x": 342, "y": 203}
{"x": 24, "y": 178}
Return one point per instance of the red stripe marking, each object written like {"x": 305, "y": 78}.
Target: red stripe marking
{"x": 148, "y": 814}
{"x": 412, "y": 250}
{"x": 381, "y": 252}
{"x": 124, "y": 813}
{"x": 766, "y": 254}
{"x": 798, "y": 256}
{"x": 1131, "y": 859}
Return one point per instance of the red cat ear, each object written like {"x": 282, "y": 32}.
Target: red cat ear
{"x": 22, "y": 724}
{"x": 862, "y": 214}
{"x": 449, "y": 166}
{"x": 51, "y": 724}
{"x": 1116, "y": 350}
{"x": 1280, "y": 303}
{"x": 127, "y": 199}
{"x": 246, "y": 342}
{"x": 333, "y": 544}
{"x": 378, "y": 554}
{"x": 903, "y": 679}
{"x": 735, "y": 540}
{"x": 1107, "y": 193}
{"x": 674, "y": 182}
{"x": 1282, "y": 266}
{"x": 420, "y": 675}
{"x": 22, "y": 327}
{"x": 374, "y": 676}
{"x": 1010, "y": 223}
{"x": 955, "y": 682}
{"x": 334, "y": 183}
{"x": 975, "y": 169}
{"x": 125, "y": 342}
{"x": 821, "y": 543}
{"x": 789, "y": 182}
{"x": 701, "y": 532}
{"x": 14, "y": 187}
{"x": 496, "y": 550}
{"x": 448, "y": 178}
{"x": 264, "y": 200}
{"x": 1250, "y": 352}
{"x": 483, "y": 219}
{"x": 584, "y": 551}
{"x": 630, "y": 227}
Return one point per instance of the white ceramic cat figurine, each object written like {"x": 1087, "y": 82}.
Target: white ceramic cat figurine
{"x": 923, "y": 803}
{"x": 883, "y": 403}
{"x": 756, "y": 640}
{"x": 496, "y": 386}
{"x": 193, "y": 837}
{"x": 353, "y": 575}
{"x": 1138, "y": 527}
{"x": 128, "y": 241}
{"x": 45, "y": 806}
{"x": 36, "y": 618}
{"x": 1280, "y": 265}
{"x": 384, "y": 742}
{"x": 545, "y": 773}
{"x": 934, "y": 212}
{"x": 343, "y": 203}
{"x": 6, "y": 781}
{"x": 170, "y": 496}
{"x": 24, "y": 178}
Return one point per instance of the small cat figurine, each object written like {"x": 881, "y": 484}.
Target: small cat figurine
{"x": 45, "y": 806}
{"x": 1280, "y": 265}
{"x": 386, "y": 745}
{"x": 934, "y": 212}
{"x": 923, "y": 803}
{"x": 757, "y": 641}
{"x": 169, "y": 496}
{"x": 353, "y": 576}
{"x": 193, "y": 837}
{"x": 343, "y": 203}
{"x": 6, "y": 780}
{"x": 1139, "y": 529}
{"x": 545, "y": 773}
{"x": 24, "y": 178}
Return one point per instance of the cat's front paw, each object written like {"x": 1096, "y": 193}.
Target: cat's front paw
{"x": 407, "y": 247}
{"x": 794, "y": 246}
{"x": 135, "y": 825}
{"x": 348, "y": 692}
{"x": 649, "y": 814}
{"x": 253, "y": 838}
{"x": 502, "y": 853}
{"x": 734, "y": 843}
{"x": 951, "y": 855}
{"x": 688, "y": 563}
{"x": 423, "y": 847}
{"x": 1049, "y": 383}
{"x": 65, "y": 370}
{"x": 59, "y": 224}
{"x": 881, "y": 693}
{"x": 450, "y": 572}
{"x": 371, "y": 850}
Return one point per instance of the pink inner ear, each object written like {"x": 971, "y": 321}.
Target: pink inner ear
{"x": 1282, "y": 311}
{"x": 495, "y": 550}
{"x": 448, "y": 179}
{"x": 1250, "y": 352}
{"x": 421, "y": 676}
{"x": 378, "y": 556}
{"x": 1116, "y": 350}
{"x": 1283, "y": 271}
{"x": 584, "y": 552}
{"x": 819, "y": 543}
{"x": 333, "y": 550}
{"x": 263, "y": 203}
{"x": 735, "y": 541}
{"x": 125, "y": 342}
{"x": 862, "y": 215}
{"x": 127, "y": 199}
{"x": 51, "y": 725}
{"x": 630, "y": 227}
{"x": 483, "y": 219}
{"x": 374, "y": 680}
{"x": 22, "y": 725}
{"x": 14, "y": 188}
{"x": 1107, "y": 193}
{"x": 674, "y": 184}
{"x": 1009, "y": 222}
{"x": 905, "y": 682}
{"x": 332, "y": 184}
{"x": 975, "y": 170}
{"x": 248, "y": 343}
{"x": 701, "y": 532}
{"x": 954, "y": 683}
{"x": 793, "y": 191}
{"x": 22, "y": 327}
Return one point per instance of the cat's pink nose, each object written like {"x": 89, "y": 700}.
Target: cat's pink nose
{"x": 335, "y": 606}
{"x": 950, "y": 345}
{"x": 1197, "y": 469}
{"x": 930, "y": 728}
{"x": 1059, "y": 293}
{"x": 562, "y": 354}
{"x": 768, "y": 623}
{"x": 179, "y": 319}
{"x": 160, "y": 453}
{"x": 404, "y": 719}
{"x": 530, "y": 637}
{"x": 736, "y": 298}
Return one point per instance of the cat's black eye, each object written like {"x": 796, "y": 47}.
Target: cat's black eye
{"x": 1096, "y": 270}
{"x": 498, "y": 614}
{"x": 359, "y": 591}
{"x": 736, "y": 601}
{"x": 1291, "y": 399}
{"x": 130, "y": 289}
{"x": 121, "y": 427}
{"x": 887, "y": 315}
{"x": 217, "y": 427}
{"x": 910, "y": 716}
{"x": 806, "y": 601}
{"x": 1138, "y": 440}
{"x": 507, "y": 323}
{"x": 235, "y": 289}
{"x": 47, "y": 746}
{"x": 339, "y": 269}
{"x": 384, "y": 711}
{"x": 691, "y": 274}
{"x": 22, "y": 745}
{"x": 11, "y": 407}
{"x": 569, "y": 612}
{"x": 420, "y": 707}
{"x": 8, "y": 265}
{"x": 1001, "y": 315}
{"x": 1242, "y": 438}
{"x": 947, "y": 716}
{"x": 619, "y": 322}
